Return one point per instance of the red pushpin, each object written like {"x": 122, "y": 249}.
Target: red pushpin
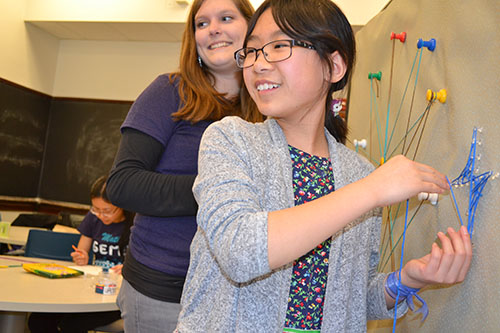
{"x": 401, "y": 36}
{"x": 440, "y": 95}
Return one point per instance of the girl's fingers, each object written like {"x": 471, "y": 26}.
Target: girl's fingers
{"x": 468, "y": 253}
{"x": 435, "y": 259}
{"x": 447, "y": 257}
{"x": 458, "y": 256}
{"x": 76, "y": 254}
{"x": 436, "y": 180}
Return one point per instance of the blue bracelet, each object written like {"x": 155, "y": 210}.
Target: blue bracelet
{"x": 391, "y": 287}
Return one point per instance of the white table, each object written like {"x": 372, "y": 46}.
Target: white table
{"x": 17, "y": 235}
{"x": 22, "y": 292}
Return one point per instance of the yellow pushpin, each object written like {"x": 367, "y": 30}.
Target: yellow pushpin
{"x": 382, "y": 160}
{"x": 440, "y": 95}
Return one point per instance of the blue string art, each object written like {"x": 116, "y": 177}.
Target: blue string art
{"x": 475, "y": 182}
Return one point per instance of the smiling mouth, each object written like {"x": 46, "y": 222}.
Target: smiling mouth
{"x": 218, "y": 45}
{"x": 267, "y": 86}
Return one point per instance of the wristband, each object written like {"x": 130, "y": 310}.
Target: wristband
{"x": 393, "y": 285}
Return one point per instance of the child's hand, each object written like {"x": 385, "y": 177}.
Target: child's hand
{"x": 117, "y": 269}
{"x": 400, "y": 179}
{"x": 80, "y": 257}
{"x": 448, "y": 264}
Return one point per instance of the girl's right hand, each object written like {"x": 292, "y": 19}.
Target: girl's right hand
{"x": 80, "y": 257}
{"x": 400, "y": 178}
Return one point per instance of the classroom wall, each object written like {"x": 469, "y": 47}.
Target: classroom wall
{"x": 111, "y": 70}
{"x": 465, "y": 62}
{"x": 29, "y": 55}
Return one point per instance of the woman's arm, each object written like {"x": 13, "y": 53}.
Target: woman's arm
{"x": 135, "y": 186}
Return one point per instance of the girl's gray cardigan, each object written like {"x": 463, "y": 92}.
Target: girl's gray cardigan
{"x": 245, "y": 171}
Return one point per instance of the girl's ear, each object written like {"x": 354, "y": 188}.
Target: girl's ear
{"x": 338, "y": 67}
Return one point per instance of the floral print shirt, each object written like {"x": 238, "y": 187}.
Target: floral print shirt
{"x": 312, "y": 178}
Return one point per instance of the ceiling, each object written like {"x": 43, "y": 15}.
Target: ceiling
{"x": 113, "y": 31}
{"x": 169, "y": 32}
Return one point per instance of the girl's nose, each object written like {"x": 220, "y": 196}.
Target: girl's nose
{"x": 261, "y": 63}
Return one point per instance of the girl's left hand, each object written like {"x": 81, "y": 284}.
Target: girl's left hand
{"x": 117, "y": 269}
{"x": 448, "y": 264}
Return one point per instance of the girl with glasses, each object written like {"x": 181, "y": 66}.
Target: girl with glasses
{"x": 104, "y": 232}
{"x": 289, "y": 218}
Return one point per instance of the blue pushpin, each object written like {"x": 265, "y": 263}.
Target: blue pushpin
{"x": 430, "y": 44}
{"x": 377, "y": 75}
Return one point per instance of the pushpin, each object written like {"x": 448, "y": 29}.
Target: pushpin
{"x": 360, "y": 143}
{"x": 432, "y": 197}
{"x": 430, "y": 44}
{"x": 382, "y": 160}
{"x": 440, "y": 95}
{"x": 401, "y": 36}
{"x": 377, "y": 75}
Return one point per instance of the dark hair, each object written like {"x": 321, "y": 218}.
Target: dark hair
{"x": 200, "y": 100}
{"x": 323, "y": 24}
{"x": 98, "y": 191}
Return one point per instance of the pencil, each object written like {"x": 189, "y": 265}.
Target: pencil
{"x": 77, "y": 249}
{"x": 6, "y": 266}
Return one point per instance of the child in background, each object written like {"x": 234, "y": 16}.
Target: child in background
{"x": 289, "y": 218}
{"x": 105, "y": 230}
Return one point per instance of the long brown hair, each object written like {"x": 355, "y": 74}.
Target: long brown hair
{"x": 199, "y": 99}
{"x": 321, "y": 23}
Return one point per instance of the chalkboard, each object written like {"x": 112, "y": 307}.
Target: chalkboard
{"x": 82, "y": 140}
{"x": 54, "y": 148}
{"x": 24, "y": 117}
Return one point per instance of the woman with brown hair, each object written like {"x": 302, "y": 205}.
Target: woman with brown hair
{"x": 156, "y": 163}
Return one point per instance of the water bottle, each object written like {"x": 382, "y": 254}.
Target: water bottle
{"x": 106, "y": 284}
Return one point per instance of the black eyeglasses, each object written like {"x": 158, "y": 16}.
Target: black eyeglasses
{"x": 275, "y": 51}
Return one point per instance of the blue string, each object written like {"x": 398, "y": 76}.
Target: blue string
{"x": 391, "y": 235}
{"x": 455, "y": 201}
{"x": 400, "y": 267}
{"x": 400, "y": 236}
{"x": 476, "y": 183}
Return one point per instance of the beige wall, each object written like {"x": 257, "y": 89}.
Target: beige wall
{"x": 28, "y": 56}
{"x": 108, "y": 10}
{"x": 111, "y": 70}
